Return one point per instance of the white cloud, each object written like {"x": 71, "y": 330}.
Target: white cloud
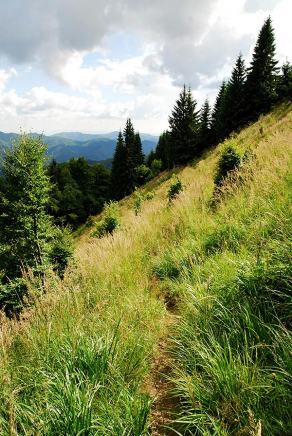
{"x": 192, "y": 41}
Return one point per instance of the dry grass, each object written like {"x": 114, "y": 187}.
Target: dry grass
{"x": 109, "y": 294}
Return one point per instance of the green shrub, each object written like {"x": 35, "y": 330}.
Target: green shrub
{"x": 175, "y": 189}
{"x": 110, "y": 221}
{"x": 229, "y": 161}
{"x": 149, "y": 195}
{"x": 61, "y": 249}
{"x": 138, "y": 199}
{"x": 156, "y": 166}
{"x": 142, "y": 174}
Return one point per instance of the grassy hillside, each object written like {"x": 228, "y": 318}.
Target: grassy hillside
{"x": 200, "y": 294}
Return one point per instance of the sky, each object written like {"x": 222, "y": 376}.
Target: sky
{"x": 87, "y": 65}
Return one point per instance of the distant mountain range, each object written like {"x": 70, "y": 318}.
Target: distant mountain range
{"x": 93, "y": 147}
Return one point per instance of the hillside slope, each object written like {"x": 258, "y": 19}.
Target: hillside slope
{"x": 207, "y": 289}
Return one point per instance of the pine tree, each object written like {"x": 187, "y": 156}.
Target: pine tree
{"x": 183, "y": 124}
{"x": 218, "y": 123}
{"x": 25, "y": 225}
{"x": 204, "y": 138}
{"x": 262, "y": 74}
{"x": 121, "y": 177}
{"x": 235, "y": 101}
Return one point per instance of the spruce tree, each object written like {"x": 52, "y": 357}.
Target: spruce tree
{"x": 120, "y": 170}
{"x": 130, "y": 145}
{"x": 204, "y": 138}
{"x": 262, "y": 74}
{"x": 183, "y": 124}
{"x": 235, "y": 101}
{"x": 25, "y": 226}
{"x": 137, "y": 151}
{"x": 218, "y": 118}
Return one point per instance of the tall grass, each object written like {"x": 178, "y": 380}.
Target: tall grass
{"x": 78, "y": 361}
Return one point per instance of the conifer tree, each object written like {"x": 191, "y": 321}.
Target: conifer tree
{"x": 262, "y": 74}
{"x": 284, "y": 87}
{"x": 120, "y": 174}
{"x": 235, "y": 101}
{"x": 204, "y": 138}
{"x": 25, "y": 226}
{"x": 183, "y": 124}
{"x": 218, "y": 118}
{"x": 137, "y": 152}
{"x": 162, "y": 151}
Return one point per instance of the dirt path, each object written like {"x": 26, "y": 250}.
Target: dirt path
{"x": 160, "y": 387}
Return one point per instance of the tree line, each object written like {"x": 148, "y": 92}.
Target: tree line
{"x": 248, "y": 93}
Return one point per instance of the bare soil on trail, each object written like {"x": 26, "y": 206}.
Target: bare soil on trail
{"x": 160, "y": 387}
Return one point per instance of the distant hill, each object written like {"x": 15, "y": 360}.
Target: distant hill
{"x": 94, "y": 147}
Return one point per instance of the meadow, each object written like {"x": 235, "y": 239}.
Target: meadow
{"x": 209, "y": 280}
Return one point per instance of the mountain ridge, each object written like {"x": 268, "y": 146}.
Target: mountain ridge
{"x": 94, "y": 147}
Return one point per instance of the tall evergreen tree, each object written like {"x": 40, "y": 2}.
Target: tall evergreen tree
{"x": 183, "y": 124}
{"x": 218, "y": 125}
{"x": 235, "y": 97}
{"x": 137, "y": 152}
{"x": 25, "y": 226}
{"x": 204, "y": 138}
{"x": 121, "y": 176}
{"x": 262, "y": 74}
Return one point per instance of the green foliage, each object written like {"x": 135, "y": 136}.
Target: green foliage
{"x": 262, "y": 74}
{"x": 79, "y": 190}
{"x": 61, "y": 249}
{"x": 24, "y": 222}
{"x": 110, "y": 221}
{"x": 218, "y": 115}
{"x": 284, "y": 85}
{"x": 12, "y": 295}
{"x": 156, "y": 166}
{"x": 229, "y": 162}
{"x": 138, "y": 199}
{"x": 128, "y": 169}
{"x": 142, "y": 175}
{"x": 25, "y": 226}
{"x": 204, "y": 134}
{"x": 184, "y": 125}
{"x": 164, "y": 151}
{"x": 175, "y": 189}
{"x": 234, "y": 116}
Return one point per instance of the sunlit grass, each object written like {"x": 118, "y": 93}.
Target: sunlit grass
{"x": 78, "y": 360}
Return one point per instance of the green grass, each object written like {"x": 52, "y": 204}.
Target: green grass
{"x": 79, "y": 361}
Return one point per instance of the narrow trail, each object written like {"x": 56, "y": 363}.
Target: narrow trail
{"x": 160, "y": 386}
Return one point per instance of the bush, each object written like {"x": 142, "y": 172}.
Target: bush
{"x": 138, "y": 199}
{"x": 175, "y": 188}
{"x": 229, "y": 161}
{"x": 143, "y": 175}
{"x": 156, "y": 166}
{"x": 61, "y": 249}
{"x": 149, "y": 195}
{"x": 110, "y": 221}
